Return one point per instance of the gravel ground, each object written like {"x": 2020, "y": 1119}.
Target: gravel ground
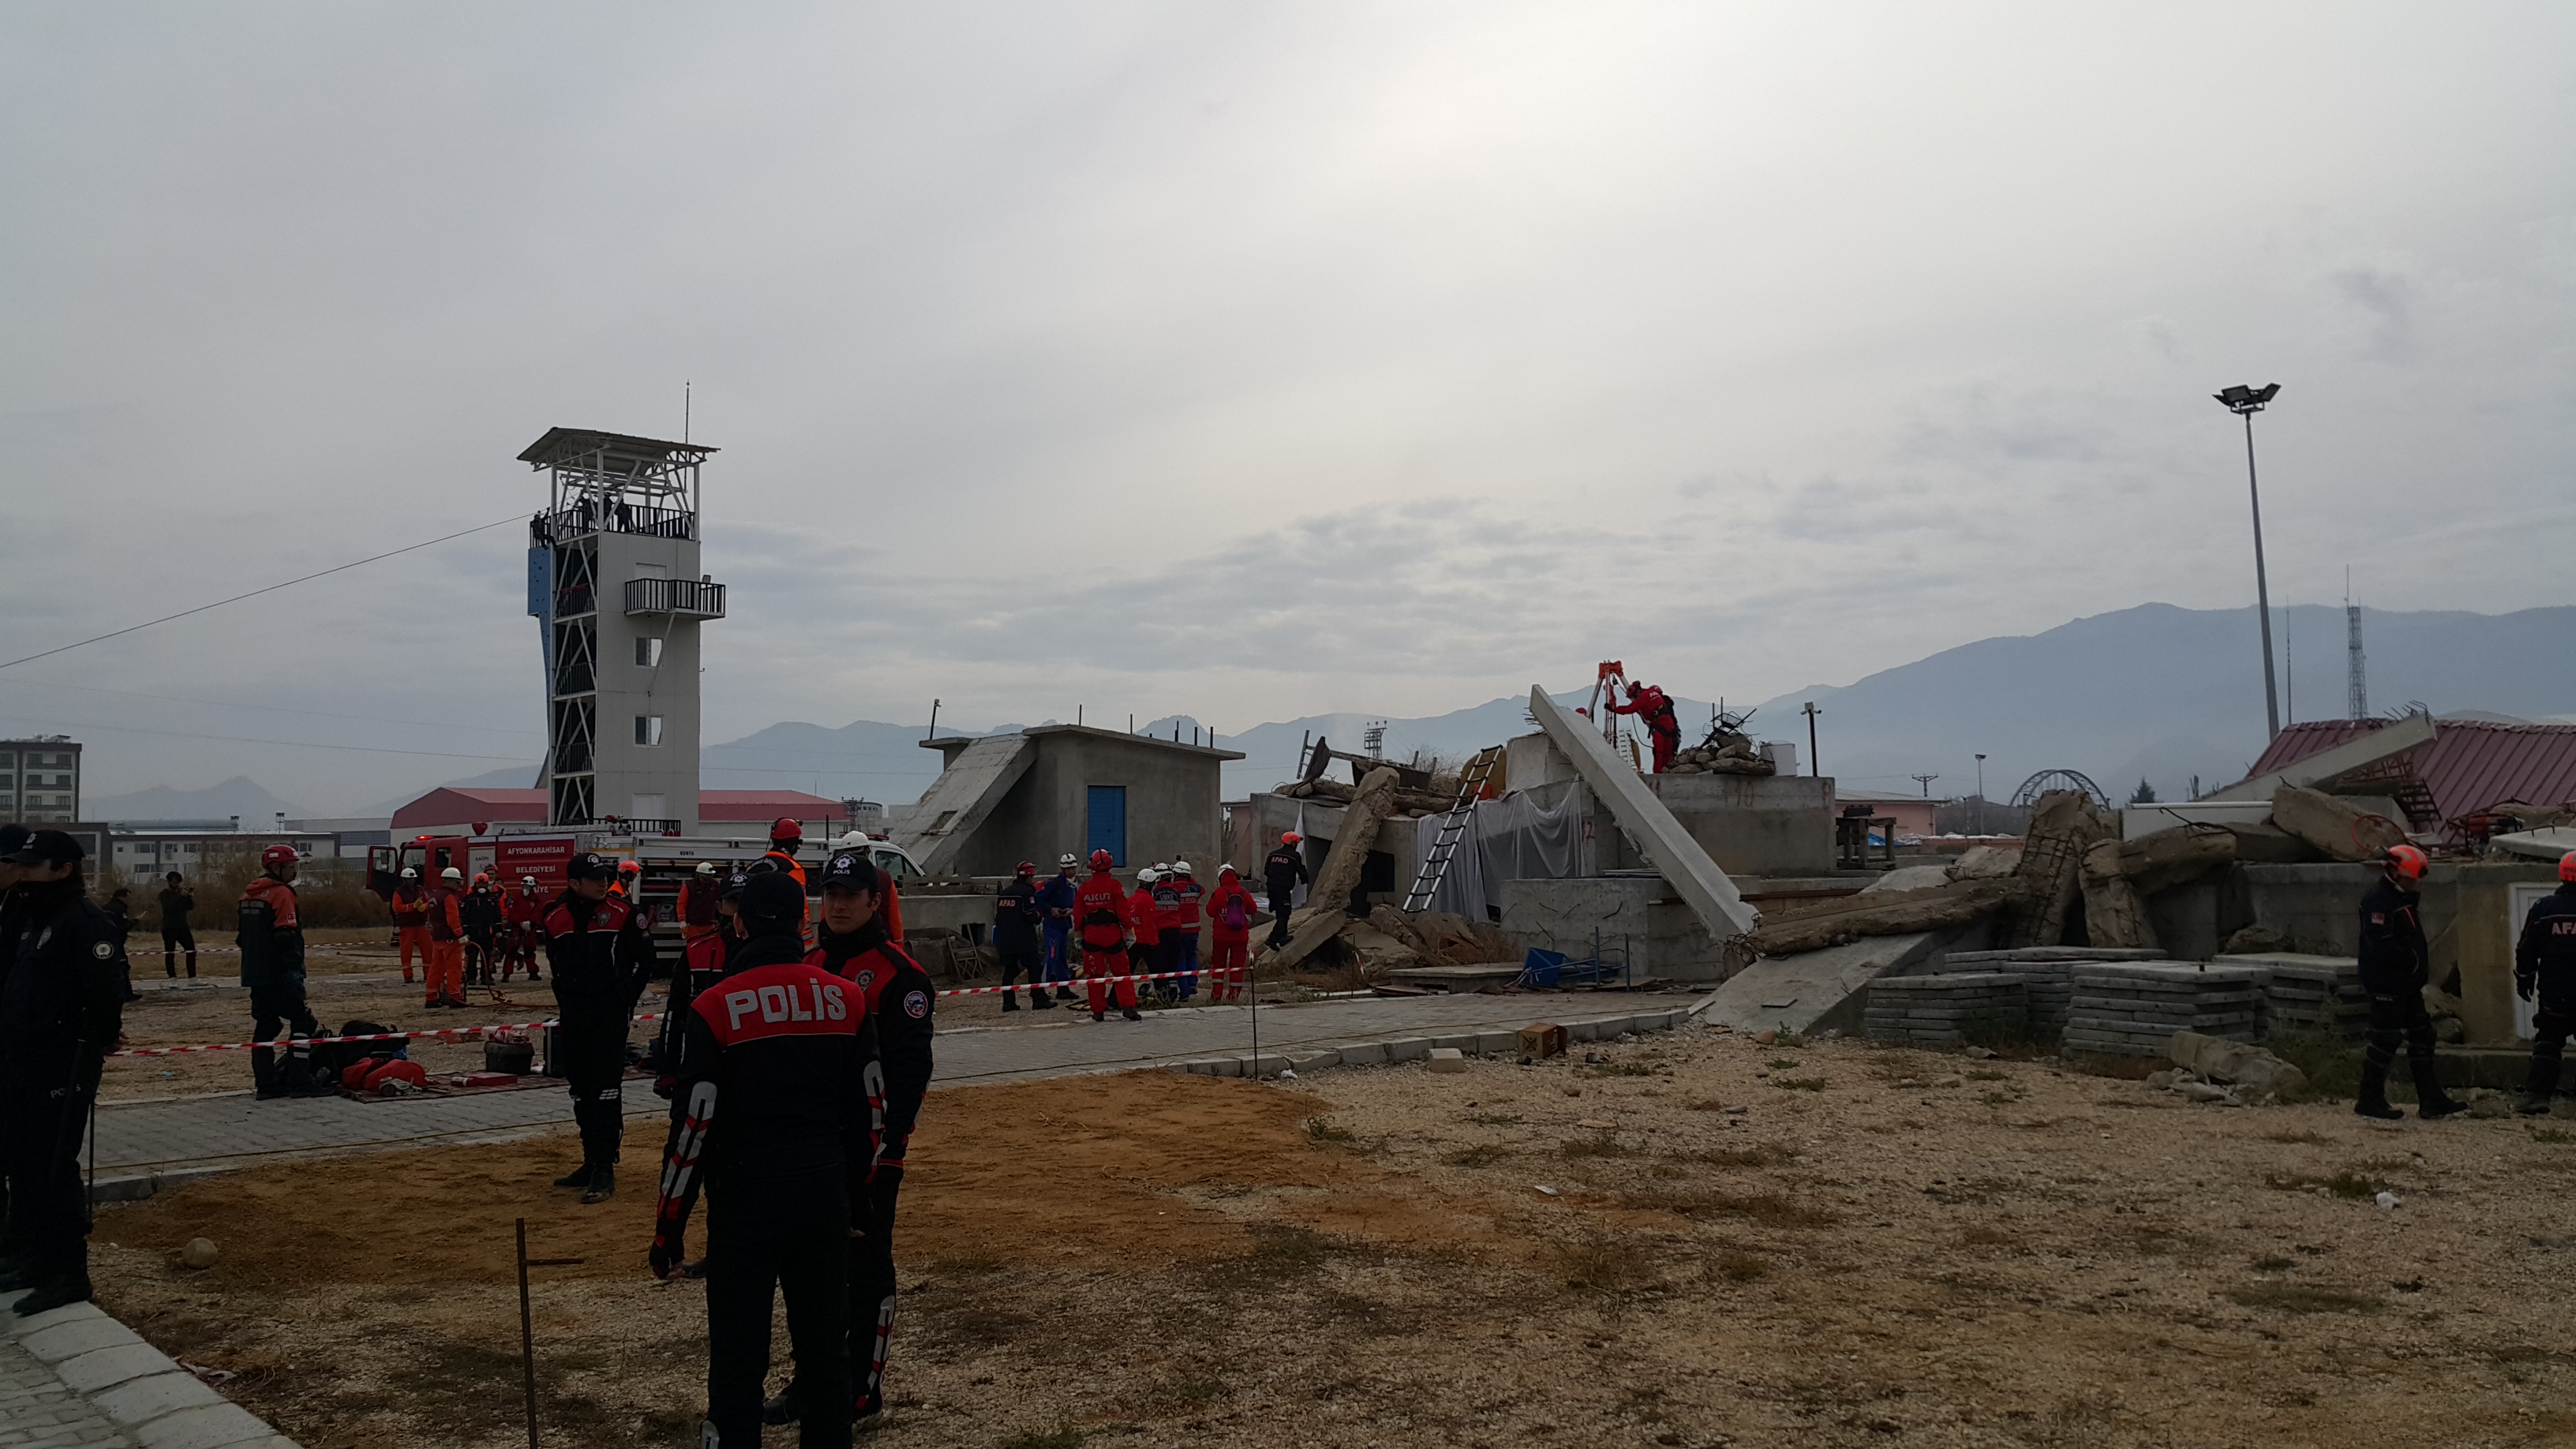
{"x": 1693, "y": 1240}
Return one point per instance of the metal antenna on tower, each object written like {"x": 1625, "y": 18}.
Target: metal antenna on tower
{"x": 2356, "y": 704}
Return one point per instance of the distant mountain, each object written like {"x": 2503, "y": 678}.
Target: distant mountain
{"x": 237, "y": 796}
{"x": 865, "y": 759}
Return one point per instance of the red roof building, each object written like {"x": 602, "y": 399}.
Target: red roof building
{"x": 2471, "y": 765}
{"x": 451, "y": 810}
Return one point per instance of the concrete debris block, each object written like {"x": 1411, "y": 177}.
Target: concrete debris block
{"x": 2268, "y": 844}
{"x": 1365, "y": 1054}
{"x": 2333, "y": 825}
{"x": 1985, "y": 862}
{"x": 1909, "y": 878}
{"x": 1446, "y": 1060}
{"x": 1324, "y": 915}
{"x": 2257, "y": 1074}
{"x": 1945, "y": 1010}
{"x": 2063, "y": 826}
{"x": 2206, "y": 1092}
{"x": 1408, "y": 1049}
{"x": 1887, "y": 913}
{"x": 2303, "y": 992}
{"x": 2326, "y": 766}
{"x": 2114, "y": 915}
{"x": 1498, "y": 1043}
{"x": 1736, "y": 756}
{"x": 2170, "y": 858}
{"x": 1379, "y": 952}
{"x": 1542, "y": 1039}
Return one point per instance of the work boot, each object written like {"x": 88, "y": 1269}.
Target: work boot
{"x": 1064, "y": 993}
{"x": 1010, "y": 1002}
{"x": 781, "y": 1408}
{"x": 603, "y": 1186}
{"x": 25, "y": 1275}
{"x": 57, "y": 1292}
{"x": 1132, "y": 1014}
{"x": 2539, "y": 1085}
{"x": 2431, "y": 1102}
{"x": 2373, "y": 1099}
{"x": 1100, "y": 1016}
{"x": 578, "y": 1177}
{"x": 1040, "y": 1001}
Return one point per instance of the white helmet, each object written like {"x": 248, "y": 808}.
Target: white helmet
{"x": 850, "y": 841}
{"x": 706, "y": 867}
{"x": 527, "y": 880}
{"x": 1148, "y": 876}
{"x": 1067, "y": 859}
{"x": 410, "y": 874}
{"x": 1162, "y": 867}
{"x": 1180, "y": 868}
{"x": 451, "y": 873}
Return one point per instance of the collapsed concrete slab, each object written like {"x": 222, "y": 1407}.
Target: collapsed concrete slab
{"x": 963, "y": 798}
{"x": 2326, "y": 766}
{"x": 1710, "y": 895}
{"x": 1826, "y": 989}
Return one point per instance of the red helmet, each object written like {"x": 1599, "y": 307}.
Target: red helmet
{"x": 1100, "y": 860}
{"x": 2406, "y": 861}
{"x": 785, "y": 829}
{"x": 1289, "y": 837}
{"x": 2567, "y": 866}
{"x": 278, "y": 855}
{"x": 1027, "y": 867}
{"x": 1635, "y": 689}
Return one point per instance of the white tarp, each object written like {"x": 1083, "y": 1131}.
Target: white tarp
{"x": 1527, "y": 835}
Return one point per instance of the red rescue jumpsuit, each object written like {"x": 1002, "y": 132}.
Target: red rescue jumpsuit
{"x": 1100, "y": 918}
{"x": 1655, "y": 709}
{"x": 1145, "y": 914}
{"x": 1227, "y": 946}
{"x": 411, "y": 925}
{"x": 527, "y": 925}
{"x": 445, "y": 977}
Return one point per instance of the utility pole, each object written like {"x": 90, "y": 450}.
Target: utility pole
{"x": 2245, "y": 402}
{"x": 1814, "y": 765}
{"x": 1981, "y": 794}
{"x": 1926, "y": 782}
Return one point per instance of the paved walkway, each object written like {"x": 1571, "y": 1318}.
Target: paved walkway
{"x": 186, "y": 1136}
{"x": 75, "y": 1378}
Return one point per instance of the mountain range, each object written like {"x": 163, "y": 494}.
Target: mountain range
{"x": 2157, "y": 693}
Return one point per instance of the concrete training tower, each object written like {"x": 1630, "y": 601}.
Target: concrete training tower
{"x": 614, "y": 584}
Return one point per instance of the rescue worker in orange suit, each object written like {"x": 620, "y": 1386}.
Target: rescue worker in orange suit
{"x": 2544, "y": 965}
{"x": 445, "y": 975}
{"x": 697, "y": 909}
{"x": 1229, "y": 909}
{"x": 1100, "y": 920}
{"x": 527, "y": 926}
{"x": 852, "y": 943}
{"x": 703, "y": 963}
{"x": 1181, "y": 931}
{"x": 776, "y": 1106}
{"x": 2395, "y": 964}
{"x": 272, "y": 970}
{"x": 1654, "y": 709}
{"x": 1145, "y": 919}
{"x": 786, "y": 837}
{"x": 411, "y": 920}
{"x": 1282, "y": 870}
{"x": 601, "y": 957}
{"x": 485, "y": 914}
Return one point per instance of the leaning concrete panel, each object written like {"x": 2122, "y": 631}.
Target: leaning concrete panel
{"x": 1711, "y": 896}
{"x": 2326, "y": 765}
{"x": 1817, "y": 989}
{"x": 962, "y": 798}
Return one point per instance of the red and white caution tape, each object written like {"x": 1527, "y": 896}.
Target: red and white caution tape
{"x": 452, "y": 1032}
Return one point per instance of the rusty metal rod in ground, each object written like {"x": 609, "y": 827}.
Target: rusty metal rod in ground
{"x": 527, "y": 1336}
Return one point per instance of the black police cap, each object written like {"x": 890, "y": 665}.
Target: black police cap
{"x": 733, "y": 887}
{"x": 773, "y": 901}
{"x": 852, "y": 872}
{"x": 591, "y": 865}
{"x": 48, "y": 847}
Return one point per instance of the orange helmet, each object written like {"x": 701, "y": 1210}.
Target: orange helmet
{"x": 2406, "y": 861}
{"x": 785, "y": 828}
{"x": 2567, "y": 866}
{"x": 1289, "y": 837}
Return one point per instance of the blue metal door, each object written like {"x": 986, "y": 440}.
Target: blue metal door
{"x": 1107, "y": 822}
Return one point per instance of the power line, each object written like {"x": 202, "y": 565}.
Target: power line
{"x": 255, "y": 593}
{"x": 290, "y": 744}
{"x": 282, "y": 709}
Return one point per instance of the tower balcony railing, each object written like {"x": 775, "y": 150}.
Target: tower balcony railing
{"x": 597, "y": 515}
{"x": 689, "y": 598}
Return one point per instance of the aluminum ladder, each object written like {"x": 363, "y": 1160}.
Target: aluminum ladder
{"x": 1453, "y": 826}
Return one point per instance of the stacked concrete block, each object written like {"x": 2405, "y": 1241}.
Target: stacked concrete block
{"x": 2133, "y": 1009}
{"x": 1947, "y": 1010}
{"x": 2047, "y": 973}
{"x": 2309, "y": 993}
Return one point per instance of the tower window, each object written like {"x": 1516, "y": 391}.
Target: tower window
{"x": 648, "y": 652}
{"x": 648, "y": 729}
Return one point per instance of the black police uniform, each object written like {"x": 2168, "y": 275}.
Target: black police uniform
{"x": 13, "y": 838}
{"x": 61, "y": 1009}
{"x": 601, "y": 957}
{"x": 2544, "y": 965}
{"x": 777, "y": 1111}
{"x": 272, "y": 970}
{"x": 1282, "y": 869}
{"x": 2395, "y": 965}
{"x": 1016, "y": 915}
{"x": 177, "y": 904}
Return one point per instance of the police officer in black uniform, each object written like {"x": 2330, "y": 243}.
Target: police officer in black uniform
{"x": 775, "y": 1105}
{"x": 601, "y": 956}
{"x": 2395, "y": 965}
{"x": 272, "y": 970}
{"x": 1281, "y": 870}
{"x": 852, "y": 943}
{"x": 61, "y": 1009}
{"x": 13, "y": 838}
{"x": 2544, "y": 964}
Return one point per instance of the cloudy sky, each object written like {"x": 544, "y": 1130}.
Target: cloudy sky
{"x": 1246, "y": 360}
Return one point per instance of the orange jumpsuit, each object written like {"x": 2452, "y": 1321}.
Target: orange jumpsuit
{"x": 411, "y": 925}
{"x": 445, "y": 978}
{"x": 1101, "y": 918}
{"x": 1228, "y": 947}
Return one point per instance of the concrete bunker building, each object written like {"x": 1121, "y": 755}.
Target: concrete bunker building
{"x": 1050, "y": 789}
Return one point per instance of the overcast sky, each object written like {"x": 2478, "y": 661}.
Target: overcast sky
{"x": 1246, "y": 360}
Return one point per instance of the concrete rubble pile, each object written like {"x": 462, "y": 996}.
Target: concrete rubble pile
{"x": 1401, "y": 802}
{"x": 2133, "y": 1009}
{"x": 1733, "y": 755}
{"x": 1386, "y": 939}
{"x": 1947, "y": 1010}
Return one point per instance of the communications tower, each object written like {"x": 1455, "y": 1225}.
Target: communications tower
{"x": 614, "y": 584}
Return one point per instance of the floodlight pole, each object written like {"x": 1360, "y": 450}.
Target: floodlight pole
{"x": 2245, "y": 402}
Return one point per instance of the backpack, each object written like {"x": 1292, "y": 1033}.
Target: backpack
{"x": 1235, "y": 917}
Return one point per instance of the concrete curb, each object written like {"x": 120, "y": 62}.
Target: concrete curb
{"x": 136, "y": 1186}
{"x": 149, "y": 1399}
{"x": 1393, "y": 1050}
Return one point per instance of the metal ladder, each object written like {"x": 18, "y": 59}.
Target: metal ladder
{"x": 1471, "y": 788}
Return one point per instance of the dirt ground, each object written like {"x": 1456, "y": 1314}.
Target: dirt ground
{"x": 1694, "y": 1240}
